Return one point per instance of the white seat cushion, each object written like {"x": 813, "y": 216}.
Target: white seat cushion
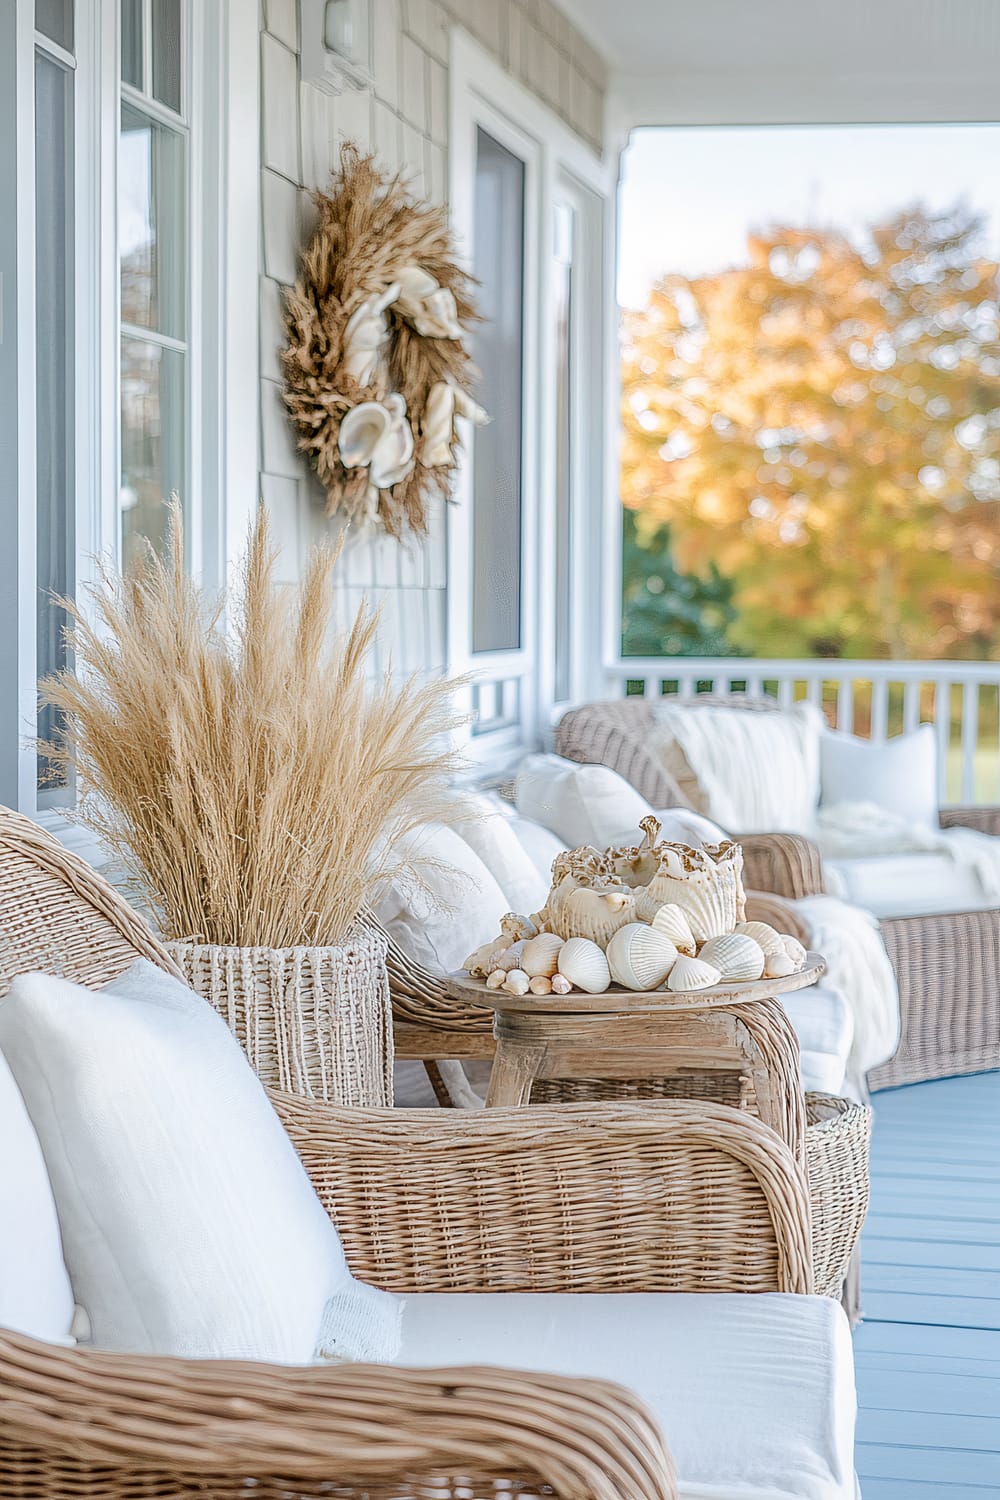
{"x": 907, "y": 885}
{"x": 899, "y": 775}
{"x": 755, "y": 1394}
{"x": 189, "y": 1225}
{"x": 824, "y": 1025}
{"x": 35, "y": 1294}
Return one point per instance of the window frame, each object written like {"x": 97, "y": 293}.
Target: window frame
{"x": 519, "y": 685}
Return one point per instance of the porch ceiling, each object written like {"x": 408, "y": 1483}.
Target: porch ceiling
{"x": 947, "y": 53}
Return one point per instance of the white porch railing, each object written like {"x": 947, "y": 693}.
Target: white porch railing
{"x": 873, "y": 698}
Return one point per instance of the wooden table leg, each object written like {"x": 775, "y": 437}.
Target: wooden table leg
{"x": 515, "y": 1068}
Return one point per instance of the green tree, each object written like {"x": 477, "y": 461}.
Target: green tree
{"x": 667, "y": 613}
{"x": 822, "y": 424}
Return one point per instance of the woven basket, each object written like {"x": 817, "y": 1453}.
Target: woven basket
{"x": 312, "y": 1021}
{"x": 837, "y": 1136}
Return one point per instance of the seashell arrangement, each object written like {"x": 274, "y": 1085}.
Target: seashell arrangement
{"x": 645, "y": 916}
{"x": 735, "y": 955}
{"x": 639, "y": 957}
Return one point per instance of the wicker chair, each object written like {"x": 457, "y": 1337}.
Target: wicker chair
{"x": 686, "y": 1196}
{"x": 947, "y": 966}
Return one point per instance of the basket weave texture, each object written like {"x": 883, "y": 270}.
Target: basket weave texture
{"x": 837, "y": 1138}
{"x": 316, "y": 1022}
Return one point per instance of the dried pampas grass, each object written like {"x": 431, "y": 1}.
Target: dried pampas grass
{"x": 255, "y": 785}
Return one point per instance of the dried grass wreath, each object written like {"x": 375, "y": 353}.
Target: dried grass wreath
{"x": 376, "y": 367}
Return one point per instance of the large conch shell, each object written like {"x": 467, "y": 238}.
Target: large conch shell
{"x": 365, "y": 336}
{"x": 376, "y": 436}
{"x": 578, "y": 911}
{"x": 444, "y": 402}
{"x": 706, "y": 883}
{"x": 427, "y": 305}
{"x": 636, "y": 864}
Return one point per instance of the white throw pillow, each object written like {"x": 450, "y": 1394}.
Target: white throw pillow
{"x": 189, "y": 1225}
{"x": 453, "y": 906}
{"x": 582, "y": 804}
{"x": 35, "y": 1293}
{"x": 750, "y": 771}
{"x": 491, "y": 835}
{"x": 899, "y": 776}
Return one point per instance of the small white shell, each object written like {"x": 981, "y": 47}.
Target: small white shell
{"x": 584, "y": 965}
{"x": 795, "y": 950}
{"x": 541, "y": 955}
{"x": 778, "y": 965}
{"x": 769, "y": 939}
{"x": 639, "y": 957}
{"x": 735, "y": 955}
{"x": 691, "y": 974}
{"x": 496, "y": 979}
{"x": 480, "y": 963}
{"x": 671, "y": 921}
{"x": 540, "y": 984}
{"x": 517, "y": 982}
{"x": 560, "y": 984}
{"x": 510, "y": 958}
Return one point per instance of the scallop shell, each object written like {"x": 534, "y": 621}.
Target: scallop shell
{"x": 691, "y": 974}
{"x": 768, "y": 937}
{"x": 639, "y": 957}
{"x": 794, "y": 949}
{"x": 778, "y": 965}
{"x": 671, "y": 921}
{"x": 540, "y": 958}
{"x": 707, "y": 883}
{"x": 583, "y": 964}
{"x": 735, "y": 955}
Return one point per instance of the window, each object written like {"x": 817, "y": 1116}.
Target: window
{"x": 531, "y": 204}
{"x": 153, "y": 271}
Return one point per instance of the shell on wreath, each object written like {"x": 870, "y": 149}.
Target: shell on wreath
{"x": 671, "y": 922}
{"x": 691, "y": 974}
{"x": 541, "y": 955}
{"x": 376, "y": 436}
{"x": 796, "y": 952}
{"x": 763, "y": 933}
{"x": 427, "y": 305}
{"x": 584, "y": 964}
{"x": 707, "y": 883}
{"x": 639, "y": 957}
{"x": 579, "y": 911}
{"x": 735, "y": 955}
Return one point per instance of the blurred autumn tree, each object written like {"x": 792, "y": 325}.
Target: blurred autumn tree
{"x": 667, "y": 613}
{"x": 822, "y": 426}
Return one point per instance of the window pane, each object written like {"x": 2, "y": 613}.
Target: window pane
{"x": 153, "y": 383}
{"x": 563, "y": 316}
{"x": 54, "y": 19}
{"x": 151, "y": 224}
{"x": 53, "y": 359}
{"x": 167, "y": 52}
{"x": 132, "y": 39}
{"x": 496, "y": 473}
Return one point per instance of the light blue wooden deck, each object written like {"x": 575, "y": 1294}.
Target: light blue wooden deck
{"x": 928, "y": 1352}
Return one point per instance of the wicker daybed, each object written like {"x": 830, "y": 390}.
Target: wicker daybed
{"x": 947, "y": 966}
{"x": 685, "y": 1196}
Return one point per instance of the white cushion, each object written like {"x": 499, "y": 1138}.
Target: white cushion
{"x": 824, "y": 1024}
{"x": 907, "y": 885}
{"x": 35, "y": 1293}
{"x": 189, "y": 1225}
{"x": 582, "y": 804}
{"x": 493, "y": 837}
{"x": 899, "y": 776}
{"x": 541, "y": 846}
{"x": 755, "y": 1394}
{"x": 452, "y": 908}
{"x": 751, "y": 772}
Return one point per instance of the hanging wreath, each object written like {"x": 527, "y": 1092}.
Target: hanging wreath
{"x": 376, "y": 367}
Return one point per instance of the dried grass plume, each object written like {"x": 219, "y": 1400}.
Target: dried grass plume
{"x": 254, "y": 783}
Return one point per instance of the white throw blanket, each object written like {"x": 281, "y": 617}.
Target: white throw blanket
{"x": 860, "y": 830}
{"x": 857, "y": 965}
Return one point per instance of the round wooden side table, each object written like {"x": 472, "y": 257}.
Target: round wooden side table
{"x": 740, "y": 1030}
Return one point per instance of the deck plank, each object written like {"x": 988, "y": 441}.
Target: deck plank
{"x": 928, "y": 1352}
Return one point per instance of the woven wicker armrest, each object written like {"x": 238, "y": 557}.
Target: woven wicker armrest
{"x": 785, "y": 864}
{"x": 82, "y": 1424}
{"x": 599, "y": 734}
{"x": 983, "y": 819}
{"x": 671, "y": 1196}
{"x": 778, "y": 913}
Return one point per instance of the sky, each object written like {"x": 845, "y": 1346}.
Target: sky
{"x": 690, "y": 194}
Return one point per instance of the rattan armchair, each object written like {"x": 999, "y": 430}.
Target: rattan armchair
{"x": 947, "y": 966}
{"x": 615, "y": 1197}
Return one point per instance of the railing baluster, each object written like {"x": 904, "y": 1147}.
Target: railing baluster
{"x": 942, "y": 725}
{"x": 786, "y": 691}
{"x": 911, "y": 706}
{"x": 650, "y": 687}
{"x": 845, "y": 706}
{"x": 880, "y": 711}
{"x": 970, "y": 739}
{"x": 814, "y": 691}
{"x": 754, "y": 688}
{"x": 685, "y": 685}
